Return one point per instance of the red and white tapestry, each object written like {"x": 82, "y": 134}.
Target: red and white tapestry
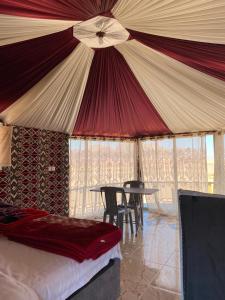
{"x": 28, "y": 182}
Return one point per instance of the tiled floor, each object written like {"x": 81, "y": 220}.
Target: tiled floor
{"x": 150, "y": 267}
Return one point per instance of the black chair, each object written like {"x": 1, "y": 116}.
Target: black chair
{"x": 113, "y": 209}
{"x": 135, "y": 201}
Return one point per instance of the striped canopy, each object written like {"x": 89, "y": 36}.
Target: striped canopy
{"x": 113, "y": 68}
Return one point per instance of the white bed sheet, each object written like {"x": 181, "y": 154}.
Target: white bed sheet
{"x": 50, "y": 276}
{"x": 11, "y": 289}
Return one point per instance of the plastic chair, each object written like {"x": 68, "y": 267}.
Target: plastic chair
{"x": 114, "y": 210}
{"x": 135, "y": 201}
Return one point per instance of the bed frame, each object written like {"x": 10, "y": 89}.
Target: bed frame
{"x": 105, "y": 285}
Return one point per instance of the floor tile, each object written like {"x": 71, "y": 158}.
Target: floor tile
{"x": 168, "y": 279}
{"x": 174, "y": 260}
{"x": 158, "y": 254}
{"x": 134, "y": 271}
{"x": 156, "y": 294}
{"x": 128, "y": 295}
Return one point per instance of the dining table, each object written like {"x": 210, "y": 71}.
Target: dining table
{"x": 141, "y": 191}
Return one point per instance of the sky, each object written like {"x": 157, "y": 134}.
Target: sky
{"x": 210, "y": 147}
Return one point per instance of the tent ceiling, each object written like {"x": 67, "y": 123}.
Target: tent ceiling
{"x": 113, "y": 68}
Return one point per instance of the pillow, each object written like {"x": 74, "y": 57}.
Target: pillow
{"x": 9, "y": 214}
{"x": 3, "y": 204}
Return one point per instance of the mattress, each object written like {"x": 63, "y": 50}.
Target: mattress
{"x": 48, "y": 276}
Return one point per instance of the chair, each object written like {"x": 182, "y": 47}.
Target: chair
{"x": 115, "y": 211}
{"x": 135, "y": 201}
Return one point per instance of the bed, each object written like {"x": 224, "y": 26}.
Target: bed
{"x": 50, "y": 276}
{"x": 40, "y": 275}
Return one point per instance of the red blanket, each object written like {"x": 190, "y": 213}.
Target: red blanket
{"x": 75, "y": 238}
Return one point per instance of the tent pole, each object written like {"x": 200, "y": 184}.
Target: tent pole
{"x": 138, "y": 160}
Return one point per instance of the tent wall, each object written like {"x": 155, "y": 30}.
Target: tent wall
{"x": 219, "y": 165}
{"x": 98, "y": 162}
{"x": 28, "y": 182}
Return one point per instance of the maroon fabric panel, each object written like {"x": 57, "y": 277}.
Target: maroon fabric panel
{"x": 77, "y": 10}
{"x": 205, "y": 57}
{"x": 114, "y": 104}
{"x": 23, "y": 64}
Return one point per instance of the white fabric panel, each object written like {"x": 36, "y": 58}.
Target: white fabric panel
{"x": 219, "y": 164}
{"x": 5, "y": 145}
{"x": 170, "y": 164}
{"x": 186, "y": 99}
{"x": 15, "y": 29}
{"x": 92, "y": 163}
{"x": 51, "y": 276}
{"x": 199, "y": 20}
{"x": 54, "y": 102}
{"x": 114, "y": 32}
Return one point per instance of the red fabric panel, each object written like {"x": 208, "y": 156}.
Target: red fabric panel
{"x": 77, "y": 10}
{"x": 23, "y": 64}
{"x": 114, "y": 104}
{"x": 74, "y": 238}
{"x": 205, "y": 57}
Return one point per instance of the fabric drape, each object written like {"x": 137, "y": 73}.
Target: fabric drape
{"x": 52, "y": 9}
{"x": 201, "y": 20}
{"x": 186, "y": 99}
{"x": 24, "y": 64}
{"x": 171, "y": 164}
{"x": 205, "y": 57}
{"x": 168, "y": 78}
{"x": 109, "y": 106}
{"x": 16, "y": 29}
{"x": 94, "y": 162}
{"x": 49, "y": 104}
{"x": 219, "y": 163}
{"x": 5, "y": 145}
{"x": 114, "y": 32}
